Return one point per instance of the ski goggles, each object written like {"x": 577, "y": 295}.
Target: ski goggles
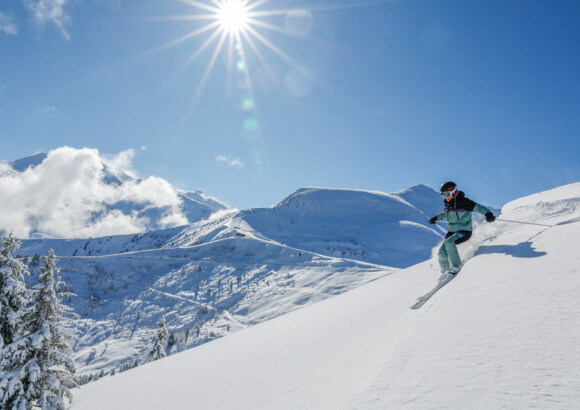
{"x": 447, "y": 194}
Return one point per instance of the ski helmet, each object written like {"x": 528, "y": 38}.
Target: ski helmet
{"x": 448, "y": 189}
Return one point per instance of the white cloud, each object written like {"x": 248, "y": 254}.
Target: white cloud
{"x": 66, "y": 197}
{"x": 8, "y": 25}
{"x": 123, "y": 161}
{"x": 229, "y": 161}
{"x": 49, "y": 111}
{"x": 50, "y": 11}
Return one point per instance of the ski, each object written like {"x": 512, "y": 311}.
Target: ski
{"x": 421, "y": 300}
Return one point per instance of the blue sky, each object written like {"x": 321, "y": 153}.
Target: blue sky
{"x": 377, "y": 96}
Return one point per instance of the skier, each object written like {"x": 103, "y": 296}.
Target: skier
{"x": 457, "y": 211}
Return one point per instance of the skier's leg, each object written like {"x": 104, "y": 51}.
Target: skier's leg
{"x": 464, "y": 238}
{"x": 451, "y": 248}
{"x": 443, "y": 257}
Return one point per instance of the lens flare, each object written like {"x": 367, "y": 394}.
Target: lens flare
{"x": 247, "y": 104}
{"x": 251, "y": 125}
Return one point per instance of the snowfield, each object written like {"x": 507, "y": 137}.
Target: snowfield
{"x": 503, "y": 334}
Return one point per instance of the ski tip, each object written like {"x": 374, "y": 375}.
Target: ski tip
{"x": 417, "y": 305}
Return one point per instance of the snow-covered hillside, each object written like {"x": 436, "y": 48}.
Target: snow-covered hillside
{"x": 385, "y": 229}
{"x": 236, "y": 269}
{"x": 502, "y": 335}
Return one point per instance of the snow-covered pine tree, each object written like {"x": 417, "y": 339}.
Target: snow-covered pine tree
{"x": 13, "y": 292}
{"x": 39, "y": 368}
{"x": 158, "y": 350}
{"x": 13, "y": 298}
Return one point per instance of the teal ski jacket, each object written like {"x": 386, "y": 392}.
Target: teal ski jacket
{"x": 458, "y": 213}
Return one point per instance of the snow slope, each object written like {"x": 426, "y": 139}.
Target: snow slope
{"x": 504, "y": 334}
{"x": 204, "y": 292}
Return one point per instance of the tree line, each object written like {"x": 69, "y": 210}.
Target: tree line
{"x": 36, "y": 366}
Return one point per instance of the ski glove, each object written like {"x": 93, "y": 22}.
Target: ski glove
{"x": 433, "y": 220}
{"x": 489, "y": 217}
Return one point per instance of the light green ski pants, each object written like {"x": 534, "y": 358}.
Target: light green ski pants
{"x": 448, "y": 254}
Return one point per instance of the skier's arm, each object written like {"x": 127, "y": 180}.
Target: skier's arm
{"x": 442, "y": 215}
{"x": 475, "y": 207}
{"x": 489, "y": 216}
{"x": 481, "y": 209}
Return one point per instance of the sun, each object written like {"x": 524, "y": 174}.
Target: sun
{"x": 238, "y": 30}
{"x": 234, "y": 27}
{"x": 233, "y": 16}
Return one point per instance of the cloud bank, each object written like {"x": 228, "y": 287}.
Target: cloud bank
{"x": 77, "y": 193}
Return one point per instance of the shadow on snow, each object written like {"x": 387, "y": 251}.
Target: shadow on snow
{"x": 521, "y": 250}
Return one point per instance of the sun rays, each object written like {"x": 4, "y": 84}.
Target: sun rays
{"x": 235, "y": 27}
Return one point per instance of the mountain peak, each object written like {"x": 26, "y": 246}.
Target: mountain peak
{"x": 32, "y": 161}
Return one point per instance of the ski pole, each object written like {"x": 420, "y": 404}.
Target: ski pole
{"x": 525, "y": 223}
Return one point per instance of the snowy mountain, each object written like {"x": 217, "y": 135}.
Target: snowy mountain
{"x": 503, "y": 334}
{"x": 374, "y": 227}
{"x": 32, "y": 161}
{"x": 80, "y": 193}
{"x": 197, "y": 206}
{"x": 236, "y": 269}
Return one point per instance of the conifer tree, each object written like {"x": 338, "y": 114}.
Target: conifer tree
{"x": 13, "y": 292}
{"x": 158, "y": 350}
{"x": 38, "y": 367}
